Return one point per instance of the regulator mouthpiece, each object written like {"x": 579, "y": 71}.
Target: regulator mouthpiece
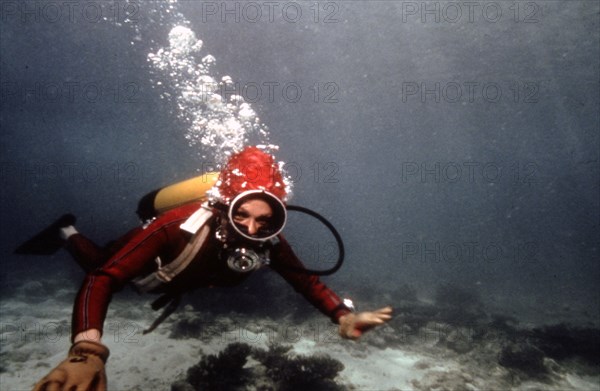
{"x": 243, "y": 260}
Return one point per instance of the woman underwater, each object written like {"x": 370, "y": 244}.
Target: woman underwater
{"x": 197, "y": 244}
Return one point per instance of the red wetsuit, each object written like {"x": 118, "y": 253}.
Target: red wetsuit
{"x": 136, "y": 256}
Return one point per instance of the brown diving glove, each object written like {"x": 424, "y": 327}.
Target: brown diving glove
{"x": 82, "y": 370}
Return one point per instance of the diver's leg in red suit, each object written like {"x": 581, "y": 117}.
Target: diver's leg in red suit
{"x": 85, "y": 252}
{"x": 89, "y": 255}
{"x": 116, "y": 245}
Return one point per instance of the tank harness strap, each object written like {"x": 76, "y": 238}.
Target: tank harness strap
{"x": 197, "y": 220}
{"x": 165, "y": 274}
{"x": 173, "y": 303}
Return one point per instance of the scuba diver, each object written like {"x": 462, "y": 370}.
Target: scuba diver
{"x": 214, "y": 237}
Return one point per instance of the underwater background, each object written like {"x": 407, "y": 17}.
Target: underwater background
{"x": 455, "y": 145}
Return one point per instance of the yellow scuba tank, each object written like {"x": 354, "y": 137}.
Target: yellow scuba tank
{"x": 177, "y": 194}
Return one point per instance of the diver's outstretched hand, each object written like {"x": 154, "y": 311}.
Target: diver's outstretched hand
{"x": 353, "y": 325}
{"x": 82, "y": 370}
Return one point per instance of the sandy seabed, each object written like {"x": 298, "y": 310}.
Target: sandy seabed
{"x": 35, "y": 337}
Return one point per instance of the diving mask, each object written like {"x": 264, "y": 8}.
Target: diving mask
{"x": 245, "y": 251}
{"x": 272, "y": 226}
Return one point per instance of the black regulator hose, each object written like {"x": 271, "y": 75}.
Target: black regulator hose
{"x": 336, "y": 235}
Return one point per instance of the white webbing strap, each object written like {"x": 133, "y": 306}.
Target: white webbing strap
{"x": 166, "y": 273}
{"x": 197, "y": 219}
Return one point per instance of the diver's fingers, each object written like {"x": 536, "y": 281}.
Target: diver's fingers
{"x": 374, "y": 317}
{"x": 368, "y": 321}
{"x": 383, "y": 313}
{"x": 51, "y": 382}
{"x": 385, "y": 310}
{"x": 382, "y": 316}
{"x": 371, "y": 317}
{"x": 358, "y": 323}
{"x": 102, "y": 383}
{"x": 53, "y": 386}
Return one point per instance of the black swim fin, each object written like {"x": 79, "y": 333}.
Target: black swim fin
{"x": 48, "y": 241}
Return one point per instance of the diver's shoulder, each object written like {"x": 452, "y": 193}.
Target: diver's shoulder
{"x": 180, "y": 212}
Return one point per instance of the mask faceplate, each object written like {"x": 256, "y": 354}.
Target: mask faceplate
{"x": 277, "y": 219}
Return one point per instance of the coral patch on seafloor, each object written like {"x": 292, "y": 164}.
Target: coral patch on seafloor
{"x": 241, "y": 367}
